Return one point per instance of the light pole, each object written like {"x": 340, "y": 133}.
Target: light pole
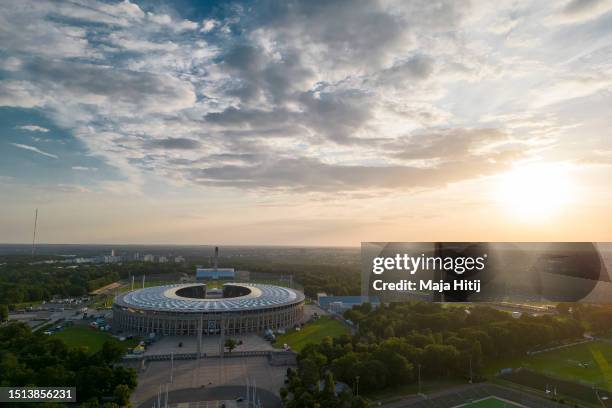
{"x": 357, "y": 388}
{"x": 471, "y": 379}
{"x": 419, "y": 381}
{"x": 172, "y": 367}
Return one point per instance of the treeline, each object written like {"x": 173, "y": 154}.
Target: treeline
{"x": 31, "y": 283}
{"x": 598, "y": 318}
{"x": 396, "y": 343}
{"x": 22, "y": 282}
{"x": 32, "y": 359}
{"x": 339, "y": 280}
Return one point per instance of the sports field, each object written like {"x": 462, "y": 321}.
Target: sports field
{"x": 491, "y": 402}
{"x": 587, "y": 363}
{"x": 92, "y": 339}
{"x": 312, "y": 332}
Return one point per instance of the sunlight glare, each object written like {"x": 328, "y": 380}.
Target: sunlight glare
{"x": 535, "y": 192}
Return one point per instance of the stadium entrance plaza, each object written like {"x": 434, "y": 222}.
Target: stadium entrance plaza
{"x": 210, "y": 345}
{"x": 211, "y": 371}
{"x": 208, "y": 373}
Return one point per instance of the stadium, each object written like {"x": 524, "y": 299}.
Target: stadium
{"x": 189, "y": 309}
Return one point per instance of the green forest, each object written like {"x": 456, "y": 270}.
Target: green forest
{"x": 33, "y": 359}
{"x": 396, "y": 343}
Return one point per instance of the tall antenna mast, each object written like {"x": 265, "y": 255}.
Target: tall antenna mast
{"x": 34, "y": 235}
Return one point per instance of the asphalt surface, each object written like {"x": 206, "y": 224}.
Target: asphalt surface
{"x": 225, "y": 392}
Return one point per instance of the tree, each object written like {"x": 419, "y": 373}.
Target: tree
{"x": 330, "y": 386}
{"x": 309, "y": 372}
{"x": 563, "y": 308}
{"x": 283, "y": 394}
{"x": 3, "y": 313}
{"x": 440, "y": 359}
{"x": 121, "y": 395}
{"x": 230, "y": 344}
{"x": 111, "y": 351}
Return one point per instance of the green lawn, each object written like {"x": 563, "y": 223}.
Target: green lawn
{"x": 490, "y": 402}
{"x": 312, "y": 332}
{"x": 587, "y": 363}
{"x": 84, "y": 336}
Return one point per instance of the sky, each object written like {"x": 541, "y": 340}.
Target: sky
{"x": 305, "y": 122}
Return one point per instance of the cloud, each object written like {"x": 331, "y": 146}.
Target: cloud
{"x": 305, "y": 174}
{"x": 359, "y": 37}
{"x": 20, "y": 94}
{"x": 34, "y": 149}
{"x": 33, "y": 128}
{"x": 83, "y": 168}
{"x": 447, "y": 144}
{"x": 174, "y": 24}
{"x": 571, "y": 88}
{"x": 603, "y": 158}
{"x": 582, "y": 10}
{"x": 208, "y": 25}
{"x": 296, "y": 95}
{"x": 174, "y": 144}
{"x": 119, "y": 90}
{"x": 68, "y": 189}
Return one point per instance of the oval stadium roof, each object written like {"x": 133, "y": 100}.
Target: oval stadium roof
{"x": 164, "y": 298}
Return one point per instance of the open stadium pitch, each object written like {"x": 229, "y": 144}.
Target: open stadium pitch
{"x": 491, "y": 402}
{"x": 588, "y": 363}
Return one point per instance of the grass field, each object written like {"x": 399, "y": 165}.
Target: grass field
{"x": 491, "y": 402}
{"x": 312, "y": 332}
{"x": 587, "y": 363}
{"x": 83, "y": 336}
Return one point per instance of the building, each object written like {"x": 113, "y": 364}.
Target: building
{"x": 188, "y": 309}
{"x": 149, "y": 258}
{"x": 340, "y": 304}
{"x": 162, "y": 259}
{"x": 215, "y": 273}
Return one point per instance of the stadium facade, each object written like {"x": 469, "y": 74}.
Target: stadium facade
{"x": 189, "y": 309}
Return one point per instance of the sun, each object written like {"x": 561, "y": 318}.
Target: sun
{"x": 535, "y": 192}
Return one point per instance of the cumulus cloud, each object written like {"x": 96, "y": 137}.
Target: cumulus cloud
{"x": 208, "y": 25}
{"x": 34, "y": 149}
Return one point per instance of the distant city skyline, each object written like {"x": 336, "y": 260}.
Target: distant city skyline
{"x": 305, "y": 123}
